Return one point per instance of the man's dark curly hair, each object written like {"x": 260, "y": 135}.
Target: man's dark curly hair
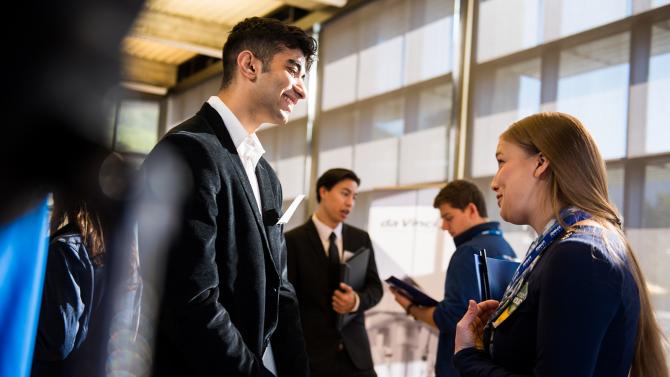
{"x": 264, "y": 37}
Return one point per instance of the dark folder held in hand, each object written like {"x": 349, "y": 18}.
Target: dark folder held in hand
{"x": 416, "y": 295}
{"x": 354, "y": 273}
{"x": 493, "y": 275}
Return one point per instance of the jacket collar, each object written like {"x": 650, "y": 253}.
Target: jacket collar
{"x": 475, "y": 231}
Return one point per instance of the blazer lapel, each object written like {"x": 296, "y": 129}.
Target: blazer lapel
{"x": 270, "y": 213}
{"x": 216, "y": 123}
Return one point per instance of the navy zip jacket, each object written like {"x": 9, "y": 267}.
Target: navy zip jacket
{"x": 461, "y": 285}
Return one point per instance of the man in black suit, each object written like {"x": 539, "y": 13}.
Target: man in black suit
{"x": 227, "y": 307}
{"x": 315, "y": 250}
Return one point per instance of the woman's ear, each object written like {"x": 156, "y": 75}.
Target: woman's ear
{"x": 542, "y": 166}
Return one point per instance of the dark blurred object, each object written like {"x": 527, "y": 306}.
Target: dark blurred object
{"x": 63, "y": 62}
{"x": 85, "y": 221}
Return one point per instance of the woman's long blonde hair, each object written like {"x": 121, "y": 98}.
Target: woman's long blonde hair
{"x": 578, "y": 178}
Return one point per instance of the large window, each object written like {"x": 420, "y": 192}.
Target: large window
{"x": 650, "y": 239}
{"x": 507, "y": 26}
{"x": 384, "y": 46}
{"x": 573, "y": 16}
{"x": 502, "y": 95}
{"x": 137, "y": 126}
{"x": 657, "y": 138}
{"x": 593, "y": 86}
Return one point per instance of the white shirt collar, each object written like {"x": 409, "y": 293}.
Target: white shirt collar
{"x": 247, "y": 145}
{"x": 325, "y": 231}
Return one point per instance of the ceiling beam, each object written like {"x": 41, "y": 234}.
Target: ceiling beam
{"x": 149, "y": 72}
{"x": 145, "y": 88}
{"x": 202, "y": 37}
{"x": 317, "y": 16}
{"x": 315, "y": 4}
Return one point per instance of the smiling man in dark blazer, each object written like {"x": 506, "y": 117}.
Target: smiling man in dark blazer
{"x": 227, "y": 307}
{"x": 314, "y": 251}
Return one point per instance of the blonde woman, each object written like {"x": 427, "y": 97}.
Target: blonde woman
{"x": 578, "y": 304}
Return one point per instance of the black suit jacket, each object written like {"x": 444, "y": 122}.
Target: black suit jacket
{"x": 225, "y": 291}
{"x": 308, "y": 271}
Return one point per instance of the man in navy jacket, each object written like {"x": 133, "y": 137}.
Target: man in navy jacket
{"x": 463, "y": 211}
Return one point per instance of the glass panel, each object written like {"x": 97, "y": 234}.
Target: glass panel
{"x": 615, "y": 182}
{"x": 574, "y": 16}
{"x": 593, "y": 86}
{"x": 137, "y": 127}
{"x": 507, "y": 26}
{"x": 268, "y": 134}
{"x": 428, "y": 43}
{"x": 376, "y": 150}
{"x": 501, "y": 97}
{"x": 339, "y": 51}
{"x": 435, "y": 106}
{"x": 300, "y": 110}
{"x": 424, "y": 151}
{"x": 336, "y": 139}
{"x": 339, "y": 82}
{"x": 650, "y": 243}
{"x": 387, "y": 119}
{"x": 657, "y": 137}
{"x": 380, "y": 68}
{"x": 656, "y": 213}
{"x": 285, "y": 150}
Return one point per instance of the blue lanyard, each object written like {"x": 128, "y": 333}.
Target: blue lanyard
{"x": 570, "y": 216}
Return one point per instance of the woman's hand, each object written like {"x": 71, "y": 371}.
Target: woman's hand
{"x": 470, "y": 329}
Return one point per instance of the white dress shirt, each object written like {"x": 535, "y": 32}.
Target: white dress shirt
{"x": 250, "y": 151}
{"x": 249, "y": 148}
{"x": 324, "y": 235}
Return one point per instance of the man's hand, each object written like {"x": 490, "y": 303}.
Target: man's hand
{"x": 400, "y": 298}
{"x": 344, "y": 299}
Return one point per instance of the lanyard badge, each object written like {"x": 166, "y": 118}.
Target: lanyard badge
{"x": 517, "y": 290}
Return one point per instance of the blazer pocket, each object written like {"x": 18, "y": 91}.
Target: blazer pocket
{"x": 271, "y": 216}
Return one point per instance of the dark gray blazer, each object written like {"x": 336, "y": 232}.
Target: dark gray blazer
{"x": 225, "y": 294}
{"x": 308, "y": 271}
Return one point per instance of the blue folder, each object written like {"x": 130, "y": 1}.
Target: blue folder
{"x": 493, "y": 275}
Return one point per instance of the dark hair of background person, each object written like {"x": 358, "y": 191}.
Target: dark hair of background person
{"x": 332, "y": 177}
{"x": 458, "y": 194}
{"x": 264, "y": 37}
{"x": 87, "y": 220}
{"x": 95, "y": 206}
{"x": 578, "y": 178}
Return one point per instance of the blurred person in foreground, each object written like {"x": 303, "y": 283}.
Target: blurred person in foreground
{"x": 83, "y": 221}
{"x": 227, "y": 307}
{"x": 578, "y": 305}
{"x": 463, "y": 212}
